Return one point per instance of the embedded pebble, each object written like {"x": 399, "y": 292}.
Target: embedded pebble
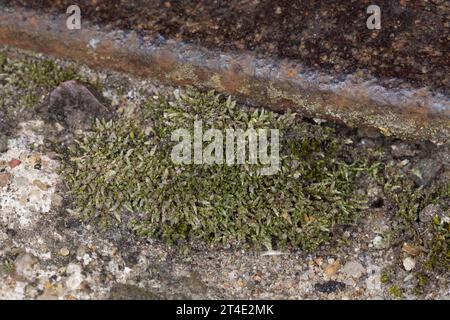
{"x": 24, "y": 264}
{"x": 411, "y": 249}
{"x": 64, "y": 252}
{"x": 73, "y": 281}
{"x": 353, "y": 269}
{"x": 20, "y": 181}
{"x": 429, "y": 212}
{"x": 373, "y": 282}
{"x": 378, "y": 242}
{"x": 75, "y": 277}
{"x": 14, "y": 163}
{"x": 409, "y": 263}
{"x": 4, "y": 179}
{"x": 57, "y": 200}
{"x": 332, "y": 268}
{"x": 41, "y": 185}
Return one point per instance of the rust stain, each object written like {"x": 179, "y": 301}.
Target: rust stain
{"x": 278, "y": 85}
{"x": 232, "y": 78}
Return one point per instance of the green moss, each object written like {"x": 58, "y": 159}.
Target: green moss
{"x": 26, "y": 81}
{"x": 422, "y": 281}
{"x": 395, "y": 292}
{"x": 126, "y": 165}
{"x": 439, "y": 252}
{"x": 9, "y": 267}
{"x": 408, "y": 201}
{"x": 384, "y": 277}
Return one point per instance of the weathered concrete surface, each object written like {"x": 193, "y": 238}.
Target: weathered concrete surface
{"x": 354, "y": 100}
{"x": 49, "y": 252}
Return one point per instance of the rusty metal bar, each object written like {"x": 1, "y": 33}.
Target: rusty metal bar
{"x": 276, "y": 84}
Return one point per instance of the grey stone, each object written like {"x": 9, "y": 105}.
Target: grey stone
{"x": 24, "y": 264}
{"x": 75, "y": 277}
{"x": 74, "y": 106}
{"x": 353, "y": 269}
{"x": 373, "y": 282}
{"x": 21, "y": 182}
{"x": 425, "y": 171}
{"x": 57, "y": 200}
{"x": 402, "y": 150}
{"x": 378, "y": 242}
{"x": 429, "y": 212}
{"x": 409, "y": 263}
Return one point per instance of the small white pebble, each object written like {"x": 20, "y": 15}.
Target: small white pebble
{"x": 409, "y": 263}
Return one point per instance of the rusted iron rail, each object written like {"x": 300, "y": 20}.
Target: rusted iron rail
{"x": 277, "y": 84}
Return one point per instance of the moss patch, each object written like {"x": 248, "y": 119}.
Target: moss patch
{"x": 27, "y": 81}
{"x": 395, "y": 292}
{"x": 408, "y": 201}
{"x": 126, "y": 165}
{"x": 32, "y": 78}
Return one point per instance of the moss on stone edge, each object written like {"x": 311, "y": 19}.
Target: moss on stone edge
{"x": 126, "y": 165}
{"x": 32, "y": 78}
